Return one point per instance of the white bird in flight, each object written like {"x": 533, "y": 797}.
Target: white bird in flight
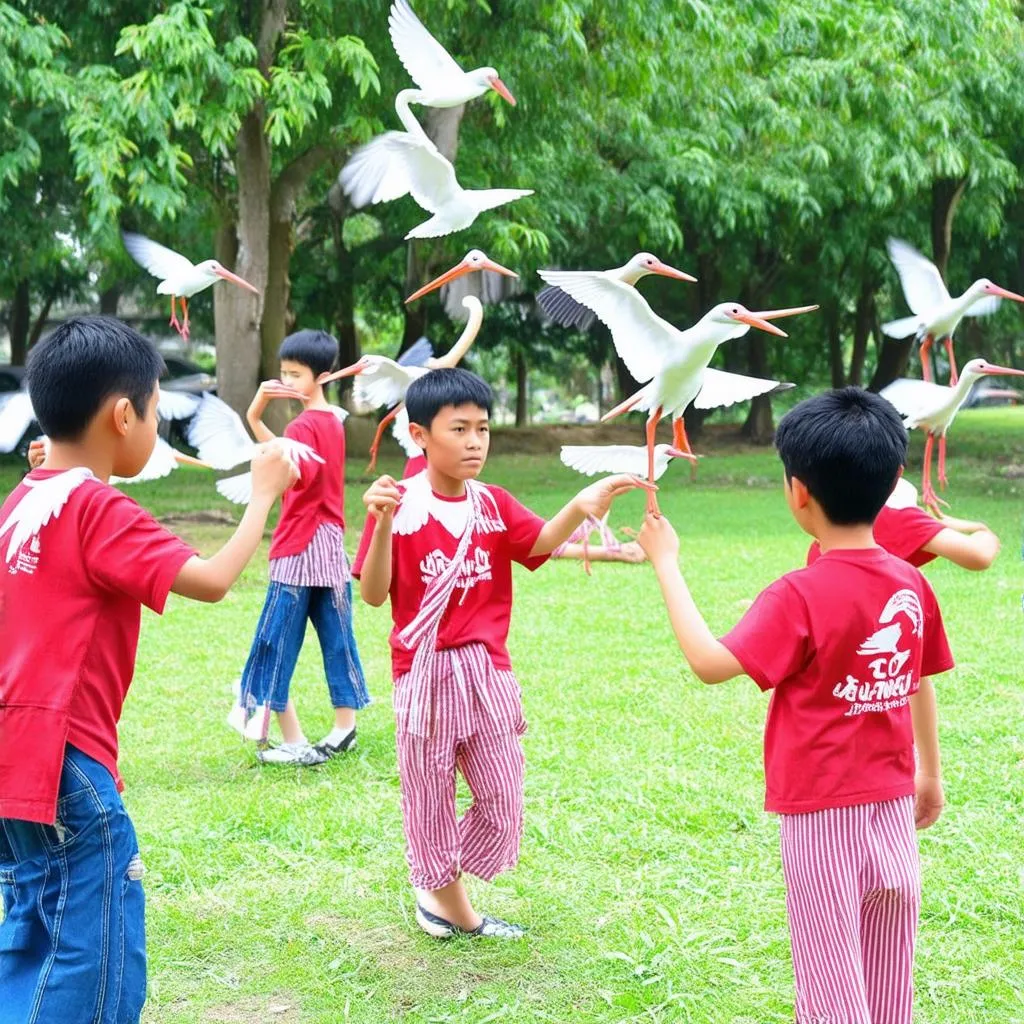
{"x": 619, "y": 458}
{"x": 936, "y": 313}
{"x": 442, "y": 83}
{"x": 403, "y": 163}
{"x": 563, "y": 309}
{"x": 220, "y": 437}
{"x": 674, "y": 362}
{"x": 180, "y": 278}
{"x": 933, "y": 407}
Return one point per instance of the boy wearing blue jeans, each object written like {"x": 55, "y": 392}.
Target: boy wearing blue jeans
{"x": 78, "y": 559}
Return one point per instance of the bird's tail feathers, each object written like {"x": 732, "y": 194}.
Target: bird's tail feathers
{"x": 902, "y": 328}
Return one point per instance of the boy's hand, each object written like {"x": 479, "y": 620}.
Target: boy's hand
{"x": 596, "y": 499}
{"x": 271, "y": 389}
{"x": 272, "y": 471}
{"x": 658, "y": 539}
{"x": 928, "y": 800}
{"x": 381, "y": 499}
{"x": 36, "y": 454}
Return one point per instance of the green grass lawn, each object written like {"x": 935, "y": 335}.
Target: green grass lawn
{"x": 650, "y": 877}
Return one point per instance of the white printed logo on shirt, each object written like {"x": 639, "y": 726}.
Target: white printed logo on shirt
{"x": 888, "y": 683}
{"x": 476, "y": 567}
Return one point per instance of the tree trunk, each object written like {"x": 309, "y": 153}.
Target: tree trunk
{"x": 349, "y": 348}
{"x": 864, "y": 319}
{"x": 835, "y": 344}
{"x": 38, "y": 327}
{"x": 946, "y": 195}
{"x": 759, "y": 426}
{"x": 522, "y": 393}
{"x": 892, "y": 362}
{"x": 110, "y": 298}
{"x": 21, "y": 313}
{"x": 237, "y": 312}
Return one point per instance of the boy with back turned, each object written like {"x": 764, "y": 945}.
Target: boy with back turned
{"x": 845, "y": 646}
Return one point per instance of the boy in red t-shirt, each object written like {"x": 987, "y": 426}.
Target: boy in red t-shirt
{"x": 441, "y": 546}
{"x": 845, "y": 646}
{"x": 78, "y": 559}
{"x": 910, "y": 533}
{"x": 309, "y": 571}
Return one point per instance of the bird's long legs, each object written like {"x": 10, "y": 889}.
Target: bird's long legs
{"x": 380, "y": 434}
{"x": 931, "y": 500}
{"x": 184, "y": 326}
{"x": 926, "y": 359}
{"x": 682, "y": 442}
{"x": 174, "y": 315}
{"x": 942, "y": 462}
{"x": 652, "y": 429}
{"x": 953, "y": 375}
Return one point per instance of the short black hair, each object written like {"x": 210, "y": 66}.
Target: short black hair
{"x": 315, "y": 349}
{"x": 453, "y": 386}
{"x": 846, "y": 446}
{"x": 74, "y": 370}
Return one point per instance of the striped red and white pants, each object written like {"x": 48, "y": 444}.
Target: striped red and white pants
{"x": 853, "y": 889}
{"x": 474, "y": 723}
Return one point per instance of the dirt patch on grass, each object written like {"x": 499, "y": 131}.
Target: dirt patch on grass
{"x": 280, "y": 1008}
{"x": 205, "y": 517}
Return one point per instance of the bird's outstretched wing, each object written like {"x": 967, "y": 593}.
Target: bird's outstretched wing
{"x": 386, "y": 384}
{"x": 217, "y": 433}
{"x": 417, "y": 354}
{"x": 342, "y": 414}
{"x": 412, "y": 514}
{"x": 43, "y": 500}
{"x": 564, "y": 310}
{"x": 400, "y": 432}
{"x": 644, "y": 341}
{"x": 429, "y": 64}
{"x": 396, "y": 164}
{"x": 15, "y": 418}
{"x": 160, "y": 261}
{"x": 724, "y": 389}
{"x": 176, "y": 405}
{"x": 605, "y": 458}
{"x": 909, "y": 397}
{"x": 922, "y": 283}
{"x": 236, "y": 488}
{"x": 299, "y": 452}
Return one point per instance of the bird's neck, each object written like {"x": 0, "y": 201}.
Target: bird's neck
{"x": 629, "y": 275}
{"x": 964, "y": 302}
{"x": 466, "y": 338}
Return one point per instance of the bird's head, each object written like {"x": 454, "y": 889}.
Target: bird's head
{"x": 983, "y": 286}
{"x": 644, "y": 263}
{"x": 366, "y": 364}
{"x": 735, "y": 313}
{"x": 488, "y": 78}
{"x": 982, "y": 368}
{"x": 475, "y": 259}
{"x": 213, "y": 270}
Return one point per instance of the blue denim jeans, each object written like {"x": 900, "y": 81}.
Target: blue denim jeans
{"x": 72, "y": 941}
{"x": 279, "y": 636}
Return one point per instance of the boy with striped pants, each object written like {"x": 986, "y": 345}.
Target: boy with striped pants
{"x": 845, "y": 646}
{"x": 441, "y": 545}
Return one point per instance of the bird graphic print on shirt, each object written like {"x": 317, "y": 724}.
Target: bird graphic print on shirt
{"x": 887, "y": 685}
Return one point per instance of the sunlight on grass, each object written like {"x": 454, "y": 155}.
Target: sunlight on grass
{"x": 650, "y": 877}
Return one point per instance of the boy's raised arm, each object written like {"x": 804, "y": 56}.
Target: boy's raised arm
{"x": 209, "y": 579}
{"x": 710, "y": 660}
{"x": 594, "y": 500}
{"x": 268, "y": 390}
{"x": 381, "y": 499}
{"x": 970, "y": 545}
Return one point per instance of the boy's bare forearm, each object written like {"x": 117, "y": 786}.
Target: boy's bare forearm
{"x": 375, "y": 577}
{"x": 924, "y": 715}
{"x": 209, "y": 579}
{"x": 710, "y": 660}
{"x": 558, "y": 529}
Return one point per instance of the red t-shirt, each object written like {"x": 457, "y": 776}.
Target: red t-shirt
{"x": 70, "y": 606}
{"x": 415, "y": 465}
{"x": 842, "y": 645}
{"x": 318, "y": 496}
{"x": 903, "y": 532}
{"x": 481, "y": 604}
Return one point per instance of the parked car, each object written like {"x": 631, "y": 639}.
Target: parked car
{"x": 12, "y": 382}
{"x": 184, "y": 375}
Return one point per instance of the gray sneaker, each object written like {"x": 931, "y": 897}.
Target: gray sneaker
{"x": 489, "y": 927}
{"x": 304, "y": 754}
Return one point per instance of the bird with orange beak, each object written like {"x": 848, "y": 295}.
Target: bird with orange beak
{"x": 383, "y": 382}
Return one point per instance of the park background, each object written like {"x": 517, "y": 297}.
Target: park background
{"x": 769, "y": 148}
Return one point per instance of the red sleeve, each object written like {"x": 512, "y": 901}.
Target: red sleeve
{"x": 364, "y": 546}
{"x": 523, "y": 528}
{"x": 903, "y": 532}
{"x": 773, "y": 639}
{"x": 936, "y": 657}
{"x": 126, "y": 550}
